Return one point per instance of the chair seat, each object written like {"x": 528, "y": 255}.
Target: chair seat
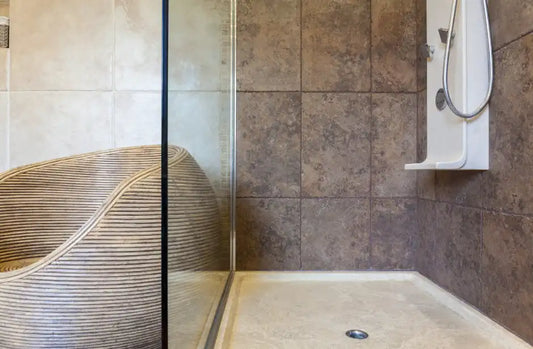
{"x": 17, "y": 264}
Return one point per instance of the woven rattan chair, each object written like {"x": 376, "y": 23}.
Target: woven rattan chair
{"x": 80, "y": 246}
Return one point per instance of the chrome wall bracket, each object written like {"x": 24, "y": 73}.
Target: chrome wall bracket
{"x": 443, "y": 33}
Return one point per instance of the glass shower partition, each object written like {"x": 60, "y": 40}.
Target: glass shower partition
{"x": 198, "y": 167}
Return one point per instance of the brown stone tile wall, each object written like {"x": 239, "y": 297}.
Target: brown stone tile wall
{"x": 331, "y": 98}
{"x": 327, "y": 117}
{"x": 476, "y": 228}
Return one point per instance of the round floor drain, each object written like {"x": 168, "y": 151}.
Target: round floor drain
{"x": 357, "y": 334}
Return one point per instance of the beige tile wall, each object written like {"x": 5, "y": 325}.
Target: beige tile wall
{"x": 81, "y": 76}
{"x": 4, "y": 98}
{"x": 197, "y": 47}
{"x": 4, "y": 109}
{"x": 137, "y": 45}
{"x": 4, "y": 10}
{"x": 4, "y": 139}
{"x": 86, "y": 75}
{"x": 61, "y": 45}
{"x": 194, "y": 123}
{"x": 136, "y": 111}
{"x": 47, "y": 124}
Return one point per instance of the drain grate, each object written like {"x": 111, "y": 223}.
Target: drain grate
{"x": 357, "y": 334}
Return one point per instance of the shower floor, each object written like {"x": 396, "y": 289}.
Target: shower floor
{"x": 192, "y": 302}
{"x": 314, "y": 310}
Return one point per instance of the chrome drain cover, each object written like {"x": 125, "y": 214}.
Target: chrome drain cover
{"x": 357, "y": 334}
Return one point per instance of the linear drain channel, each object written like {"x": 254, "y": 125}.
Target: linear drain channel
{"x": 357, "y": 334}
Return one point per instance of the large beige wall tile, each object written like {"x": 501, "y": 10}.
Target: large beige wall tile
{"x": 4, "y": 61}
{"x": 61, "y": 44}
{"x": 138, "y": 45}
{"x": 198, "y": 49}
{"x": 137, "y": 118}
{"x": 195, "y": 123}
{"x": 47, "y": 125}
{"x": 4, "y": 136}
{"x": 4, "y": 10}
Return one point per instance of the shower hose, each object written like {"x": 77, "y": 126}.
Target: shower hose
{"x": 467, "y": 115}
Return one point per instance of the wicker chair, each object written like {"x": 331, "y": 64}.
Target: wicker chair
{"x": 80, "y": 246}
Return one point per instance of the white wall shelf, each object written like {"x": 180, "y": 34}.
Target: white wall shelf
{"x": 452, "y": 142}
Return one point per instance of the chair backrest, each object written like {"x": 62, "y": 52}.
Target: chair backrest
{"x": 42, "y": 205}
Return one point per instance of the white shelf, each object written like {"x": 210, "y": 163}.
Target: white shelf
{"x": 452, "y": 142}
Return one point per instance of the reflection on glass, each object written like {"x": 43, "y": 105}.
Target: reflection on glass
{"x": 199, "y": 136}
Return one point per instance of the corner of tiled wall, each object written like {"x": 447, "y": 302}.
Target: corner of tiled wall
{"x": 327, "y": 118}
{"x": 475, "y": 228}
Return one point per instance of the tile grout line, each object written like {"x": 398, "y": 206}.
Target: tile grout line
{"x": 481, "y": 208}
{"x": 106, "y": 91}
{"x": 332, "y": 197}
{"x": 319, "y": 91}
{"x": 417, "y": 66}
{"x": 301, "y": 126}
{"x": 371, "y": 136}
{"x": 434, "y": 222}
{"x": 481, "y": 250}
{"x": 512, "y": 41}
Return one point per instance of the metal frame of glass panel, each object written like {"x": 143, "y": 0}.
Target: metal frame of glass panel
{"x": 164, "y": 176}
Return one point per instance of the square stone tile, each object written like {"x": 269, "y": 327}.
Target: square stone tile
{"x": 61, "y": 44}
{"x": 460, "y": 187}
{"x": 4, "y": 131}
{"x": 422, "y": 131}
{"x": 196, "y": 122}
{"x": 137, "y": 51}
{"x": 336, "y": 45}
{"x": 425, "y": 182}
{"x": 268, "y": 144}
{"x": 336, "y": 145}
{"x": 507, "y": 271}
{"x": 137, "y": 118}
{"x": 394, "y": 119}
{"x": 458, "y": 251}
{"x": 509, "y": 20}
{"x": 393, "y": 234}
{"x": 394, "y": 46}
{"x": 4, "y": 68}
{"x": 426, "y": 238}
{"x": 425, "y": 179}
{"x": 268, "y": 234}
{"x": 335, "y": 234}
{"x": 421, "y": 39}
{"x": 199, "y": 46}
{"x": 49, "y": 125}
{"x": 508, "y": 182}
{"x": 268, "y": 44}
